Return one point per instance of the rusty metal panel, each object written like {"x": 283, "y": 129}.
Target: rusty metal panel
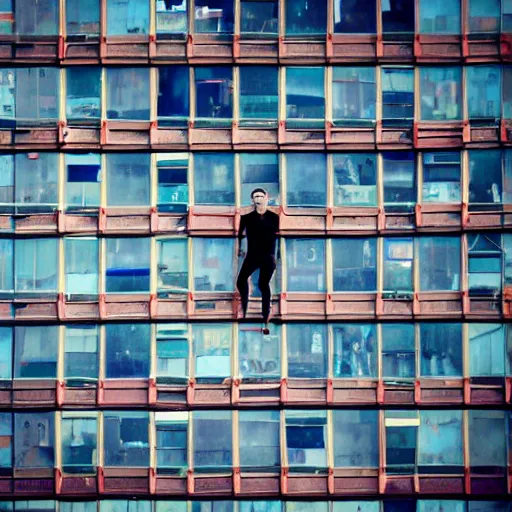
{"x": 488, "y": 485}
{"x": 438, "y": 48}
{"x": 82, "y": 311}
{"x": 399, "y": 308}
{"x": 300, "y": 220}
{"x": 169, "y": 308}
{"x": 441, "y": 485}
{"x": 120, "y": 137}
{"x": 350, "y": 305}
{"x": 6, "y": 50}
{"x": 79, "y": 486}
{"x": 123, "y": 49}
{"x": 82, "y": 51}
{"x": 126, "y": 309}
{"x": 33, "y": 486}
{"x": 31, "y": 397}
{"x": 171, "y": 223}
{"x": 171, "y": 396}
{"x": 302, "y": 51}
{"x": 76, "y": 223}
{"x": 6, "y": 137}
{"x": 6, "y": 486}
{"x": 171, "y": 485}
{"x": 440, "y": 220}
{"x": 256, "y": 51}
{"x": 209, "y": 52}
{"x": 483, "y": 50}
{"x": 438, "y": 135}
{"x": 174, "y": 51}
{"x": 399, "y": 222}
{"x": 169, "y": 138}
{"x": 307, "y": 396}
{"x": 126, "y": 485}
{"x": 399, "y": 485}
{"x": 352, "y": 48}
{"x": 354, "y": 396}
{"x": 24, "y": 310}
{"x": 398, "y": 396}
{"x": 37, "y": 137}
{"x": 307, "y": 485}
{"x": 116, "y": 223}
{"x": 6, "y": 311}
{"x": 302, "y": 139}
{"x": 36, "y": 223}
{"x": 254, "y": 484}
{"x": 79, "y": 397}
{"x": 254, "y": 394}
{"x": 395, "y": 138}
{"x": 120, "y": 396}
{"x": 213, "y": 485}
{"x": 356, "y": 485}
{"x": 212, "y": 396}
{"x": 6, "y": 223}
{"x": 81, "y": 137}
{"x": 207, "y": 137}
{"x": 37, "y": 51}
{"x": 489, "y": 135}
{"x": 5, "y": 397}
{"x": 397, "y": 51}
{"x": 248, "y": 138}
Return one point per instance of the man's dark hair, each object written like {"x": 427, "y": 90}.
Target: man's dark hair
{"x": 262, "y": 190}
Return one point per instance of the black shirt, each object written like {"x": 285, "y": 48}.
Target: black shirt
{"x": 261, "y": 232}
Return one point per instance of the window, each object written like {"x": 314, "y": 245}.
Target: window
{"x": 259, "y": 440}
{"x": 33, "y": 505}
{"x": 401, "y": 433}
{"x": 78, "y": 506}
{"x": 485, "y": 177}
{"x": 486, "y": 350}
{"x": 128, "y": 182}
{"x": 212, "y": 349}
{"x": 362, "y": 506}
{"x": 353, "y": 95}
{"x": 6, "y": 183}
{"x": 127, "y": 17}
{"x": 82, "y": 262}
{"x": 173, "y": 94}
{"x": 126, "y": 438}
{"x": 79, "y": 434}
{"x": 127, "y": 265}
{"x": 171, "y": 442}
{"x": 483, "y": 89}
{"x": 444, "y": 505}
{"x": 440, "y": 350}
{"x": 305, "y": 265}
{"x": 82, "y": 19}
{"x": 507, "y": 253}
{"x": 484, "y": 265}
{"x": 506, "y": 19}
{"x": 440, "y": 444}
{"x": 36, "y": 352}
{"x": 212, "y": 440}
{"x": 172, "y": 182}
{"x": 484, "y": 16}
{"x": 36, "y": 17}
{"x": 306, "y": 439}
{"x": 128, "y": 92}
{"x": 36, "y": 188}
{"x": 355, "y": 17}
{"x": 507, "y": 176}
{"x": 8, "y": 92}
{"x": 399, "y": 180}
{"x": 214, "y": 96}
{"x": 356, "y": 438}
{"x": 440, "y": 16}
{"x": 214, "y": 178}
{"x": 397, "y": 96}
{"x": 259, "y": 356}
{"x": 258, "y": 91}
{"x": 355, "y": 264}
{"x": 307, "y": 351}
{"x": 124, "y": 506}
{"x": 355, "y": 178}
{"x": 305, "y": 17}
{"x": 305, "y": 96}
{"x": 439, "y": 263}
{"x": 83, "y": 95}
{"x": 172, "y": 265}
{"x": 261, "y": 506}
{"x": 441, "y": 93}
{"x": 397, "y": 16}
{"x": 259, "y": 170}
{"x": 306, "y": 506}
{"x": 398, "y": 258}
{"x": 6, "y": 17}
{"x": 212, "y": 506}
{"x": 486, "y": 457}
{"x": 6, "y": 267}
{"x": 171, "y": 506}
{"x": 306, "y": 179}
{"x": 355, "y": 350}
{"x": 441, "y": 177}
{"x": 172, "y": 353}
{"x": 214, "y": 16}
{"x": 213, "y": 264}
{"x": 36, "y": 266}
{"x": 81, "y": 352}
{"x": 488, "y": 506}
{"x": 398, "y": 351}
{"x": 34, "y": 440}
{"x": 5, "y": 353}
{"x": 83, "y": 181}
{"x": 127, "y": 351}
{"x": 507, "y": 87}
{"x": 171, "y": 17}
{"x": 259, "y": 18}
{"x": 6, "y": 436}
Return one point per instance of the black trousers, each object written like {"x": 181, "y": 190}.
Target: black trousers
{"x": 266, "y": 264}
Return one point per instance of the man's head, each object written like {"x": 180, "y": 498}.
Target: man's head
{"x": 259, "y": 198}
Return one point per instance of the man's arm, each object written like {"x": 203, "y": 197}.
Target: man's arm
{"x": 240, "y": 235}
{"x": 278, "y": 239}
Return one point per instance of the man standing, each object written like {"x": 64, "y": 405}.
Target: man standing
{"x": 261, "y": 227}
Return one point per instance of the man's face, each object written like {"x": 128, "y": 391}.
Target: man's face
{"x": 260, "y": 199}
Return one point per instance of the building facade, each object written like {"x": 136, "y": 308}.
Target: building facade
{"x": 131, "y": 135}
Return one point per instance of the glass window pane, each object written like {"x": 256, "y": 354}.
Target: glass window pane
{"x": 355, "y": 179}
{"x": 305, "y": 265}
{"x": 305, "y": 17}
{"x": 484, "y": 16}
{"x": 6, "y": 183}
{"x": 307, "y": 351}
{"x": 398, "y": 258}
{"x": 399, "y": 169}
{"x": 81, "y": 351}
{"x": 214, "y": 16}
{"x": 261, "y": 506}
{"x": 6, "y": 266}
{"x": 507, "y": 177}
{"x": 7, "y": 18}
{"x": 488, "y": 425}
{"x": 355, "y": 17}
{"x": 83, "y": 181}
{"x": 356, "y": 438}
{"x": 83, "y": 95}
{"x": 213, "y": 264}
{"x": 171, "y": 17}
{"x": 259, "y": 440}
{"x": 173, "y": 94}
{"x": 397, "y": 96}
{"x": 127, "y": 265}
{"x": 306, "y": 439}
{"x": 397, "y": 16}
{"x": 483, "y": 89}
{"x": 360, "y": 506}
{"x": 441, "y": 177}
{"x": 212, "y": 440}
{"x": 6, "y": 435}
{"x": 78, "y": 506}
{"x": 485, "y": 176}
{"x": 441, "y": 93}
{"x": 488, "y": 506}
{"x": 353, "y": 93}
{"x": 259, "y": 170}
{"x": 441, "y": 350}
{"x": 259, "y": 18}
{"x": 8, "y": 91}
{"x": 355, "y": 350}
{"x": 6, "y": 353}
{"x": 305, "y": 96}
{"x": 127, "y": 17}
{"x": 126, "y": 438}
{"x": 128, "y": 92}
{"x": 439, "y": 263}
{"x": 212, "y": 506}
{"x": 306, "y": 506}
{"x": 437, "y": 505}
{"x": 306, "y": 179}
{"x": 172, "y": 265}
{"x": 172, "y": 171}
{"x": 36, "y": 265}
{"x": 82, "y": 265}
{"x": 484, "y": 265}
{"x": 259, "y": 356}
{"x": 258, "y": 92}
{"x": 214, "y": 94}
{"x": 127, "y": 350}
{"x": 125, "y": 506}
{"x": 214, "y": 178}
{"x": 33, "y": 505}
{"x": 171, "y": 442}
{"x": 128, "y": 182}
{"x": 36, "y": 17}
{"x": 440, "y": 16}
{"x": 79, "y": 451}
{"x": 212, "y": 349}
{"x": 506, "y": 20}
{"x": 34, "y": 440}
{"x": 401, "y": 435}
{"x": 507, "y": 86}
{"x": 398, "y": 351}
{"x": 486, "y": 350}
{"x": 82, "y": 17}
{"x": 172, "y": 352}
{"x": 355, "y": 264}
{"x": 507, "y": 253}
